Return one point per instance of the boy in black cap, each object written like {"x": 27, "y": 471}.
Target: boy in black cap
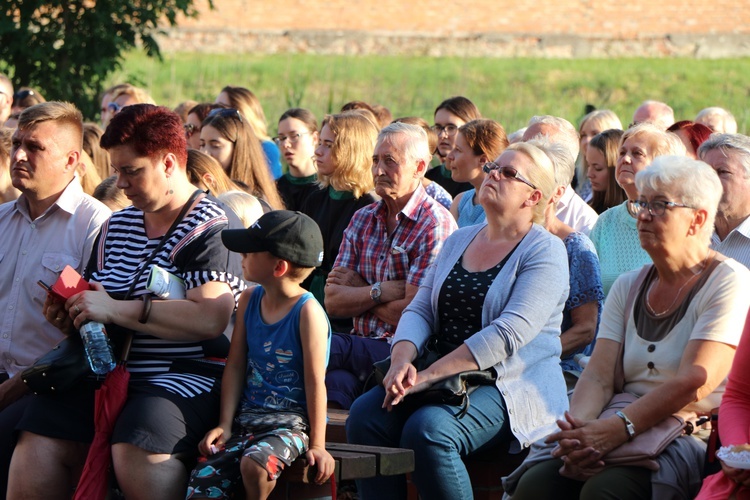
{"x": 273, "y": 395}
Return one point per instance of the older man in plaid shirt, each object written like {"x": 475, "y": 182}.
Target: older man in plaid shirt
{"x": 386, "y": 251}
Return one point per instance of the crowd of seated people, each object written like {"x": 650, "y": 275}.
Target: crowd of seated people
{"x": 547, "y": 257}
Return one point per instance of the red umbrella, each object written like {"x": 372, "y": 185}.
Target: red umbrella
{"x": 110, "y": 398}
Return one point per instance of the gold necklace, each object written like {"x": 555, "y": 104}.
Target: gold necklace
{"x": 677, "y": 295}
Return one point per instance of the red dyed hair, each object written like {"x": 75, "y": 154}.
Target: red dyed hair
{"x": 150, "y": 130}
{"x": 697, "y": 132}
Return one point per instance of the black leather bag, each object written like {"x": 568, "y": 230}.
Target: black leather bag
{"x": 454, "y": 390}
{"x": 58, "y": 370}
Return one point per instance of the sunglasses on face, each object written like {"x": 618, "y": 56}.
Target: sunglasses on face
{"x": 114, "y": 107}
{"x": 190, "y": 129}
{"x": 506, "y": 172}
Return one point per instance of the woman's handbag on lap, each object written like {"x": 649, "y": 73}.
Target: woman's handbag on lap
{"x": 453, "y": 391}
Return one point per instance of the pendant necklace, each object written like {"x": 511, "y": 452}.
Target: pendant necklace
{"x": 677, "y": 295}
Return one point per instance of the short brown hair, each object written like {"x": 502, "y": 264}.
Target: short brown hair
{"x": 63, "y": 113}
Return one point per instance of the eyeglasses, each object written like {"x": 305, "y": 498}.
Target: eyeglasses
{"x": 506, "y": 172}
{"x": 190, "y": 129}
{"x": 450, "y": 129}
{"x": 292, "y": 138}
{"x": 114, "y": 107}
{"x": 225, "y": 113}
{"x": 655, "y": 208}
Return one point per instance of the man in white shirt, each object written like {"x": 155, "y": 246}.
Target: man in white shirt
{"x": 52, "y": 224}
{"x": 729, "y": 155}
{"x": 571, "y": 209}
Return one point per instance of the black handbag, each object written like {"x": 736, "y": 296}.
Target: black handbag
{"x": 58, "y": 370}
{"x": 454, "y": 390}
{"x": 66, "y": 364}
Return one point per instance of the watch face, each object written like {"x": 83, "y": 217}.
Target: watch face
{"x": 375, "y": 292}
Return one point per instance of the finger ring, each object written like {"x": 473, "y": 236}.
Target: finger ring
{"x": 59, "y": 318}
{"x": 78, "y": 310}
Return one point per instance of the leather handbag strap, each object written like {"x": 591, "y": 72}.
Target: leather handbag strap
{"x": 619, "y": 380}
{"x": 129, "y": 339}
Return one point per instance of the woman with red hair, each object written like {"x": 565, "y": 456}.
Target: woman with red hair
{"x": 691, "y": 134}
{"x": 168, "y": 409}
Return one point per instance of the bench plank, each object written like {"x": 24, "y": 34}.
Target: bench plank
{"x": 390, "y": 461}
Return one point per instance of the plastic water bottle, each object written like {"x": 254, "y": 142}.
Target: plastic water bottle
{"x": 98, "y": 349}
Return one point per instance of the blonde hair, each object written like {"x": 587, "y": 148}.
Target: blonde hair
{"x": 663, "y": 142}
{"x": 87, "y": 174}
{"x": 199, "y": 165}
{"x": 244, "y": 101}
{"x": 246, "y": 206}
{"x": 351, "y": 153}
{"x": 543, "y": 176}
{"x": 138, "y": 94}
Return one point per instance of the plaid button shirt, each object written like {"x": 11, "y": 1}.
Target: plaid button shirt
{"x": 368, "y": 249}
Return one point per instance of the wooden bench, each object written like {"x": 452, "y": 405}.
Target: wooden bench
{"x": 485, "y": 468}
{"x": 352, "y": 462}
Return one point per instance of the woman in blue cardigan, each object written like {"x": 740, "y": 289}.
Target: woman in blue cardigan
{"x": 497, "y": 292}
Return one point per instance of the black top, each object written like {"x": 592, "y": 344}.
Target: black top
{"x": 332, "y": 210}
{"x": 442, "y": 176}
{"x": 461, "y": 301}
{"x": 295, "y": 190}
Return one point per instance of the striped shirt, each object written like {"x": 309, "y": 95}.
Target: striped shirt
{"x": 405, "y": 254}
{"x": 193, "y": 252}
{"x": 737, "y": 243}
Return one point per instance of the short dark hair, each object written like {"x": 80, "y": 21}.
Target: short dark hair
{"x": 149, "y": 130}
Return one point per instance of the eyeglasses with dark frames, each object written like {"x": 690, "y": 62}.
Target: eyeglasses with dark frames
{"x": 506, "y": 172}
{"x": 225, "y": 113}
{"x": 655, "y": 208}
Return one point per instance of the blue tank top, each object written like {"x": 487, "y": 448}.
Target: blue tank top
{"x": 275, "y": 369}
{"x": 469, "y": 214}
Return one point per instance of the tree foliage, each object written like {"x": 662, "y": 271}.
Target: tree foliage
{"x": 66, "y": 48}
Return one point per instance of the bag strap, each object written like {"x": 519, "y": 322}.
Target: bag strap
{"x": 619, "y": 381}
{"x": 129, "y": 339}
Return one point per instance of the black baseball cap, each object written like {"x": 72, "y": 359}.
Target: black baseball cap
{"x": 288, "y": 235}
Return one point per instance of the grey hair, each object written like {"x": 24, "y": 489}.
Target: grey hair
{"x": 727, "y": 118}
{"x": 567, "y": 133}
{"x": 692, "y": 182}
{"x": 516, "y": 136}
{"x": 729, "y": 144}
{"x": 562, "y": 163}
{"x": 665, "y": 143}
{"x": 415, "y": 145}
{"x": 543, "y": 176}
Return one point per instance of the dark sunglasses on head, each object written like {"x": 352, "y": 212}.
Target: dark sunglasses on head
{"x": 23, "y": 94}
{"x": 225, "y": 113}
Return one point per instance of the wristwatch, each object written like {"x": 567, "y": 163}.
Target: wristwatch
{"x": 375, "y": 292}
{"x": 628, "y": 425}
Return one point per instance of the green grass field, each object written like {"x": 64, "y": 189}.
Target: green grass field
{"x": 507, "y": 90}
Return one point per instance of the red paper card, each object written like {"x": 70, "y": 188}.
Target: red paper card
{"x": 68, "y": 284}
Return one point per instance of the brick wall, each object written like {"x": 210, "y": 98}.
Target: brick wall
{"x": 601, "y": 27}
